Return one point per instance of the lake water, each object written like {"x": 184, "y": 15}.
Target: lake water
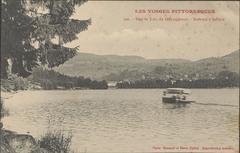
{"x": 128, "y": 120}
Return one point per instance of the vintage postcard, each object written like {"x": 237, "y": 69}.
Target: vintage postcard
{"x": 119, "y": 76}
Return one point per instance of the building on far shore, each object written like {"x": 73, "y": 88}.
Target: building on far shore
{"x": 112, "y": 84}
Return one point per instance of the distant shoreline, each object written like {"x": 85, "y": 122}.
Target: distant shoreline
{"x": 8, "y": 95}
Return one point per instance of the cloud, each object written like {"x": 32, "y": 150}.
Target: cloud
{"x": 109, "y": 34}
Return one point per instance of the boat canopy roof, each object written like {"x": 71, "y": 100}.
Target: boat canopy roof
{"x": 178, "y": 91}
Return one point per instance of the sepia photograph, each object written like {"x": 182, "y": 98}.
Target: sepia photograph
{"x": 112, "y": 76}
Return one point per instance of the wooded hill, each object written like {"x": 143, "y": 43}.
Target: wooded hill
{"x": 116, "y": 68}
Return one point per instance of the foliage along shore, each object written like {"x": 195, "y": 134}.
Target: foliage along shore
{"x": 45, "y": 79}
{"x": 50, "y": 79}
{"x": 51, "y": 142}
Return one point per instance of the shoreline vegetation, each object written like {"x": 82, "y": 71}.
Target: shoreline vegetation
{"x": 224, "y": 79}
{"x": 51, "y": 142}
{"x": 50, "y": 79}
{"x": 45, "y": 79}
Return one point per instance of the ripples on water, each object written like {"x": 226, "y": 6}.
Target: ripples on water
{"x": 128, "y": 120}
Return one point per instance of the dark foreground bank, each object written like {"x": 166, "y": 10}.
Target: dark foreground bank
{"x": 52, "y": 142}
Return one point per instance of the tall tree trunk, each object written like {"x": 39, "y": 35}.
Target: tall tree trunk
{"x": 18, "y": 67}
{"x": 4, "y": 68}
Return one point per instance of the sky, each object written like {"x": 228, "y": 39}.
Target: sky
{"x": 111, "y": 33}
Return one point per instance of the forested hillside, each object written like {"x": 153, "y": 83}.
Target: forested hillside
{"x": 117, "y": 68}
{"x": 49, "y": 79}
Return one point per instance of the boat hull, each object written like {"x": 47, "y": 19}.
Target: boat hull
{"x": 175, "y": 100}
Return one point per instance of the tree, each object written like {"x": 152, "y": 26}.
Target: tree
{"x": 27, "y": 33}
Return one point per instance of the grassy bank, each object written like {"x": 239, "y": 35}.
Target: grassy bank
{"x": 51, "y": 142}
